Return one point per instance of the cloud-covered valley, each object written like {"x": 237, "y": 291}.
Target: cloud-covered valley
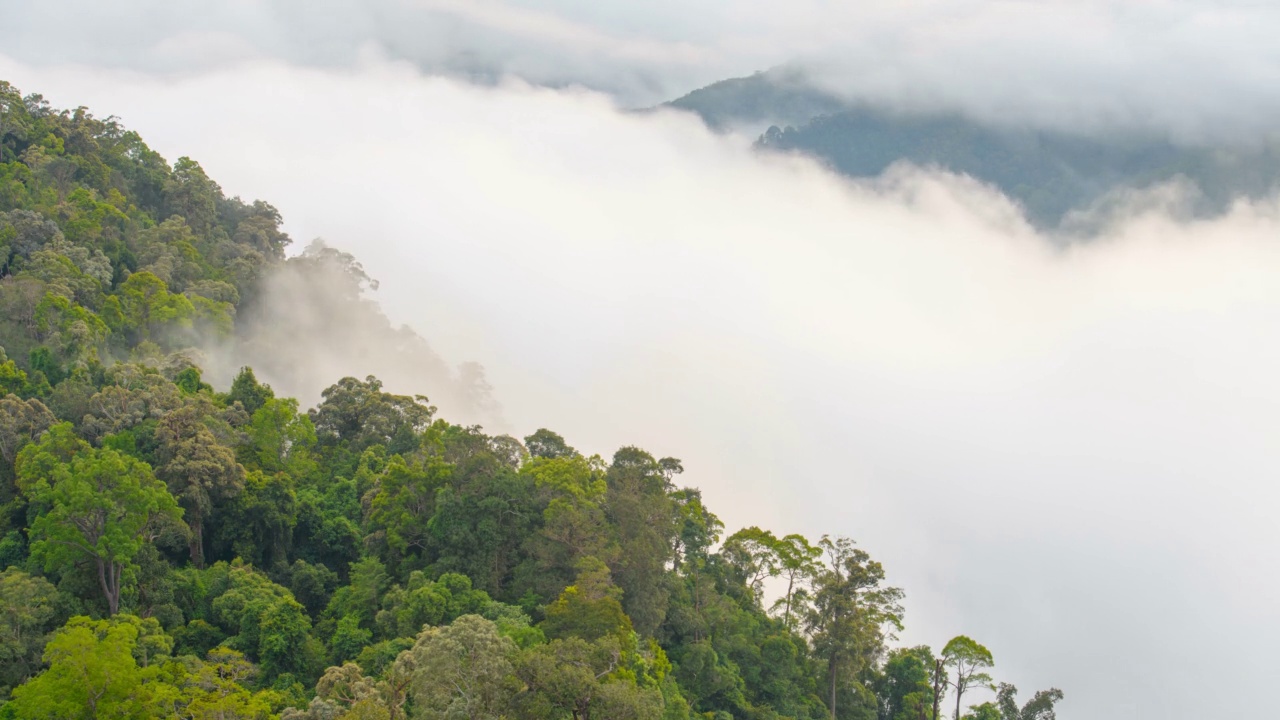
{"x": 1065, "y": 449}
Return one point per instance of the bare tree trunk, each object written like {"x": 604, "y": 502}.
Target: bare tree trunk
{"x": 197, "y": 541}
{"x": 937, "y": 689}
{"x": 109, "y": 580}
{"x": 831, "y": 669}
{"x": 791, "y": 582}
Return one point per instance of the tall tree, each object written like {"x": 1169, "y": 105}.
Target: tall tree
{"x": 92, "y": 674}
{"x": 851, "y": 609}
{"x": 969, "y": 661}
{"x": 798, "y": 563}
{"x": 94, "y": 504}
{"x": 903, "y": 684}
{"x": 1039, "y": 707}
{"x": 463, "y": 670}
{"x": 247, "y": 391}
{"x": 28, "y": 609}
{"x": 21, "y": 422}
{"x": 639, "y": 506}
{"x": 547, "y": 444}
{"x": 198, "y": 469}
{"x": 360, "y": 413}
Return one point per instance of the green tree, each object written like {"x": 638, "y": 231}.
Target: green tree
{"x": 262, "y": 620}
{"x": 197, "y": 468}
{"x": 463, "y": 670}
{"x": 348, "y": 639}
{"x": 903, "y": 684}
{"x": 752, "y": 553}
{"x": 250, "y": 393}
{"x": 969, "y": 662}
{"x": 281, "y": 438}
{"x": 28, "y": 608}
{"x": 1039, "y": 707}
{"x": 94, "y": 504}
{"x": 850, "y": 610}
{"x": 546, "y": 444}
{"x": 190, "y": 194}
{"x": 92, "y": 675}
{"x": 147, "y": 308}
{"x": 257, "y": 524}
{"x": 404, "y": 501}
{"x": 642, "y": 512}
{"x": 359, "y": 414}
{"x": 581, "y": 680}
{"x": 985, "y": 711}
{"x": 21, "y": 422}
{"x": 799, "y": 564}
{"x": 215, "y": 690}
{"x": 588, "y": 609}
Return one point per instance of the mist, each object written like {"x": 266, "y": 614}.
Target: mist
{"x": 1200, "y": 70}
{"x": 313, "y": 320}
{"x": 1065, "y": 450}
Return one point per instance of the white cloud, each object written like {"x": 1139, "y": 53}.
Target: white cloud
{"x": 1068, "y": 453}
{"x": 1199, "y": 68}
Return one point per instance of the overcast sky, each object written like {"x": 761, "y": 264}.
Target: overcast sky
{"x": 1067, "y": 453}
{"x": 1195, "y": 67}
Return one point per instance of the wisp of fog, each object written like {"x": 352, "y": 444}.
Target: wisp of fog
{"x": 1067, "y": 451}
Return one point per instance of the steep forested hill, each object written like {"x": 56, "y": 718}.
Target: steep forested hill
{"x": 1051, "y": 173}
{"x": 174, "y": 550}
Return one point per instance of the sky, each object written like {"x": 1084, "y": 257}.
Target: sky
{"x": 1066, "y": 451}
{"x": 1199, "y": 69}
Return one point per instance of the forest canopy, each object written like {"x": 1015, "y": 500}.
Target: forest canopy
{"x": 174, "y": 550}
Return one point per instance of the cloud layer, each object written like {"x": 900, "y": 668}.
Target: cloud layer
{"x": 1197, "y": 68}
{"x": 1067, "y": 453}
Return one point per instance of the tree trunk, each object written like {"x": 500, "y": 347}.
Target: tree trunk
{"x": 959, "y": 693}
{"x": 197, "y": 540}
{"x": 937, "y": 689}
{"x": 109, "y": 580}
{"x": 791, "y": 582}
{"x": 831, "y": 669}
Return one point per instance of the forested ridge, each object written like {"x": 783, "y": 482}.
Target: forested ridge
{"x": 175, "y": 551}
{"x": 1060, "y": 178}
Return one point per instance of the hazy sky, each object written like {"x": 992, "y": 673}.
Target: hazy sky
{"x": 1067, "y": 453}
{"x": 1196, "y": 67}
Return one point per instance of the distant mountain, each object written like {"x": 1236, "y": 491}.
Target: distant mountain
{"x": 776, "y": 97}
{"x": 1051, "y": 173}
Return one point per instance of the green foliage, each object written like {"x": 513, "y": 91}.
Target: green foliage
{"x": 250, "y": 393}
{"x": 404, "y": 501}
{"x": 969, "y": 661}
{"x": 101, "y": 669}
{"x": 359, "y": 414}
{"x": 95, "y": 504}
{"x": 463, "y": 670}
{"x": 92, "y": 674}
{"x": 588, "y": 609}
{"x": 1039, "y": 707}
{"x": 28, "y": 612}
{"x": 850, "y": 612}
{"x": 262, "y": 620}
